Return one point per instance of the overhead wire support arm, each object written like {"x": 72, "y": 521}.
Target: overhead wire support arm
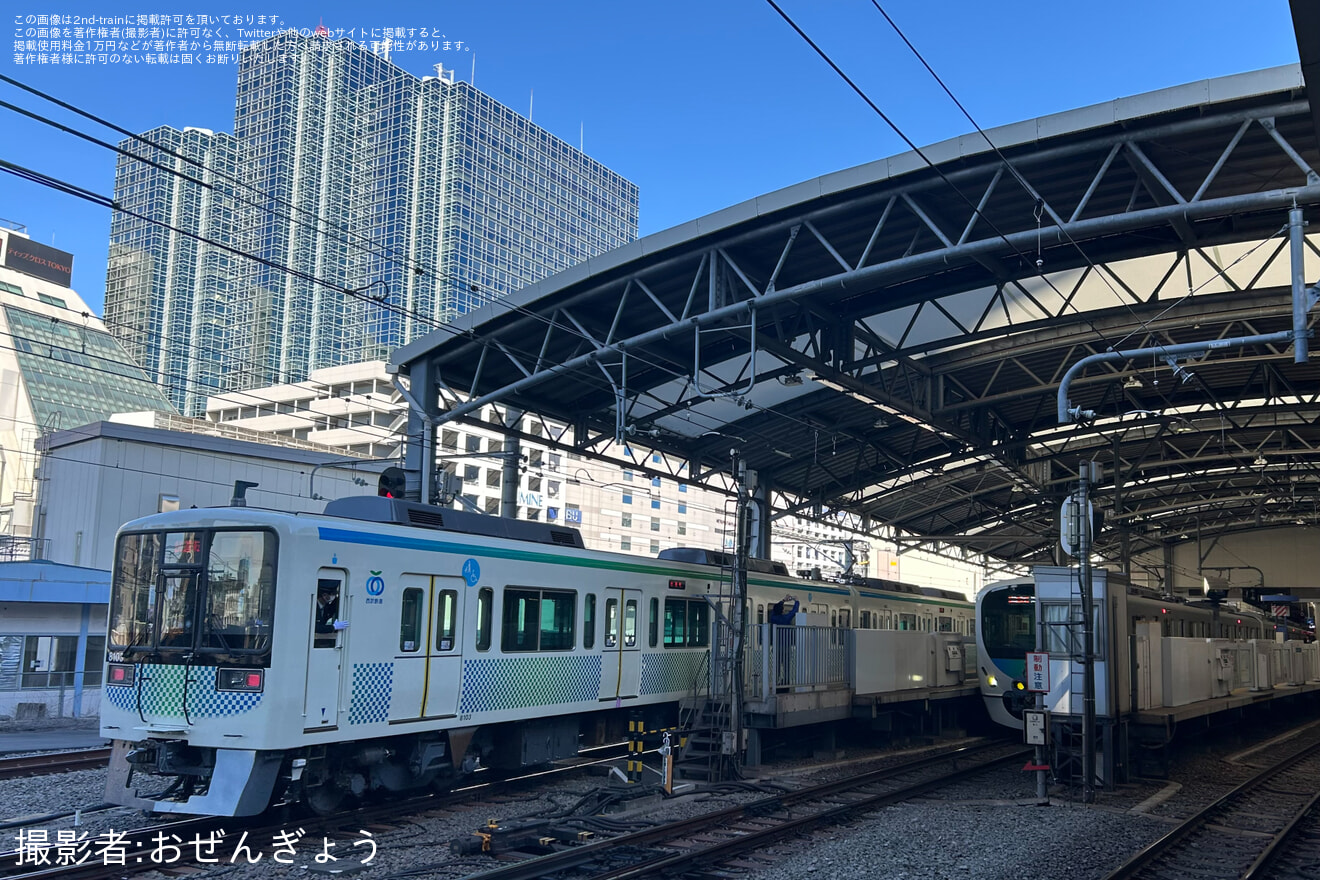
{"x": 1303, "y": 298}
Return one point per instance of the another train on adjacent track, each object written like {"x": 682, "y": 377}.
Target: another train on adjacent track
{"x": 258, "y": 656}
{"x": 1008, "y": 615}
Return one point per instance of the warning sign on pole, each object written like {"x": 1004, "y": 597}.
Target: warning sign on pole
{"x": 1038, "y": 673}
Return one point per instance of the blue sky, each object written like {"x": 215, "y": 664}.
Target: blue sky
{"x": 702, "y": 104}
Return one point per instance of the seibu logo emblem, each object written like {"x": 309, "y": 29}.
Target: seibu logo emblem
{"x": 375, "y": 586}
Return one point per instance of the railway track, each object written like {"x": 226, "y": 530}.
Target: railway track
{"x": 177, "y": 845}
{"x": 53, "y": 762}
{"x": 716, "y": 842}
{"x": 1264, "y": 828}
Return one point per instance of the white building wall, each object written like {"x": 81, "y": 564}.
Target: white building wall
{"x": 94, "y": 486}
{"x": 22, "y": 619}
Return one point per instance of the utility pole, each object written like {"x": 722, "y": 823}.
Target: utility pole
{"x": 1086, "y": 477}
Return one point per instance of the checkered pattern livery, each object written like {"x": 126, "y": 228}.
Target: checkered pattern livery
{"x": 162, "y": 694}
{"x": 372, "y": 685}
{"x": 673, "y": 672}
{"x": 522, "y": 682}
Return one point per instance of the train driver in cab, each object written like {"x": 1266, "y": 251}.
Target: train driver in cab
{"x": 327, "y": 609}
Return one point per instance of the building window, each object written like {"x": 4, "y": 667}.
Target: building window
{"x": 627, "y": 475}
{"x": 682, "y": 528}
{"x": 655, "y": 523}
{"x": 626, "y": 522}
{"x": 655, "y": 546}
{"x": 655, "y": 481}
{"x": 655, "y": 503}
{"x": 473, "y": 443}
{"x": 625, "y": 543}
{"x": 50, "y": 661}
{"x": 627, "y": 498}
{"x": 682, "y": 507}
{"x": 682, "y": 487}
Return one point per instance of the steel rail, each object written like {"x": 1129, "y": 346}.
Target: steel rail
{"x": 1167, "y": 844}
{"x": 583, "y": 855}
{"x": 53, "y": 762}
{"x": 1257, "y": 871}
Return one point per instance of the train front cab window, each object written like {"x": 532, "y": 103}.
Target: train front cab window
{"x": 202, "y": 592}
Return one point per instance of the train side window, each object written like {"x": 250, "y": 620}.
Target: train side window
{"x": 485, "y": 602}
{"x": 558, "y": 620}
{"x": 630, "y": 624}
{"x": 698, "y": 623}
{"x": 675, "y": 623}
{"x": 611, "y": 623}
{"x": 655, "y": 622}
{"x": 845, "y": 618}
{"x": 446, "y": 609}
{"x": 410, "y": 620}
{"x": 907, "y": 621}
{"x": 760, "y": 613}
{"x": 538, "y": 620}
{"x": 945, "y": 624}
{"x": 521, "y": 620}
{"x": 589, "y": 621}
{"x": 834, "y": 617}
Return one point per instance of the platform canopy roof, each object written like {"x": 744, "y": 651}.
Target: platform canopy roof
{"x": 887, "y": 342}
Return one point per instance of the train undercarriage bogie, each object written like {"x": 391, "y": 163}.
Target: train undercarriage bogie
{"x": 325, "y": 777}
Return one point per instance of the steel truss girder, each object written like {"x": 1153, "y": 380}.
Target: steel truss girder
{"x": 845, "y": 252}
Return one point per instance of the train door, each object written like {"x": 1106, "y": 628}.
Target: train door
{"x": 621, "y": 655}
{"x": 427, "y": 663}
{"x": 444, "y": 659}
{"x": 324, "y": 658}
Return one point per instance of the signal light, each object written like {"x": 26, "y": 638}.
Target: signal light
{"x": 1020, "y": 685}
{"x": 393, "y": 482}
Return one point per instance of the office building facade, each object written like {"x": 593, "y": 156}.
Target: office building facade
{"x": 370, "y": 206}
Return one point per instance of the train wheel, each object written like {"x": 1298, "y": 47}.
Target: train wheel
{"x": 321, "y": 794}
{"x": 324, "y": 800}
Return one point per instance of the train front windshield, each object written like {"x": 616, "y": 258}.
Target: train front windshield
{"x": 1008, "y": 626}
{"x": 200, "y": 592}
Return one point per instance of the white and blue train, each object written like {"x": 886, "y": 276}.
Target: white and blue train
{"x": 1011, "y": 613}
{"x": 257, "y": 657}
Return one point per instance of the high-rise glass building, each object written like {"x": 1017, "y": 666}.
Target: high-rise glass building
{"x": 344, "y": 172}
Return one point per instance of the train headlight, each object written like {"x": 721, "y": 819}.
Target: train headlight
{"x": 992, "y": 681}
{"x": 248, "y": 681}
{"x": 121, "y": 674}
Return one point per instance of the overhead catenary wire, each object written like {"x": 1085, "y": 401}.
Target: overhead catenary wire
{"x": 594, "y": 382}
{"x": 1144, "y": 324}
{"x": 393, "y": 253}
{"x": 104, "y": 201}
